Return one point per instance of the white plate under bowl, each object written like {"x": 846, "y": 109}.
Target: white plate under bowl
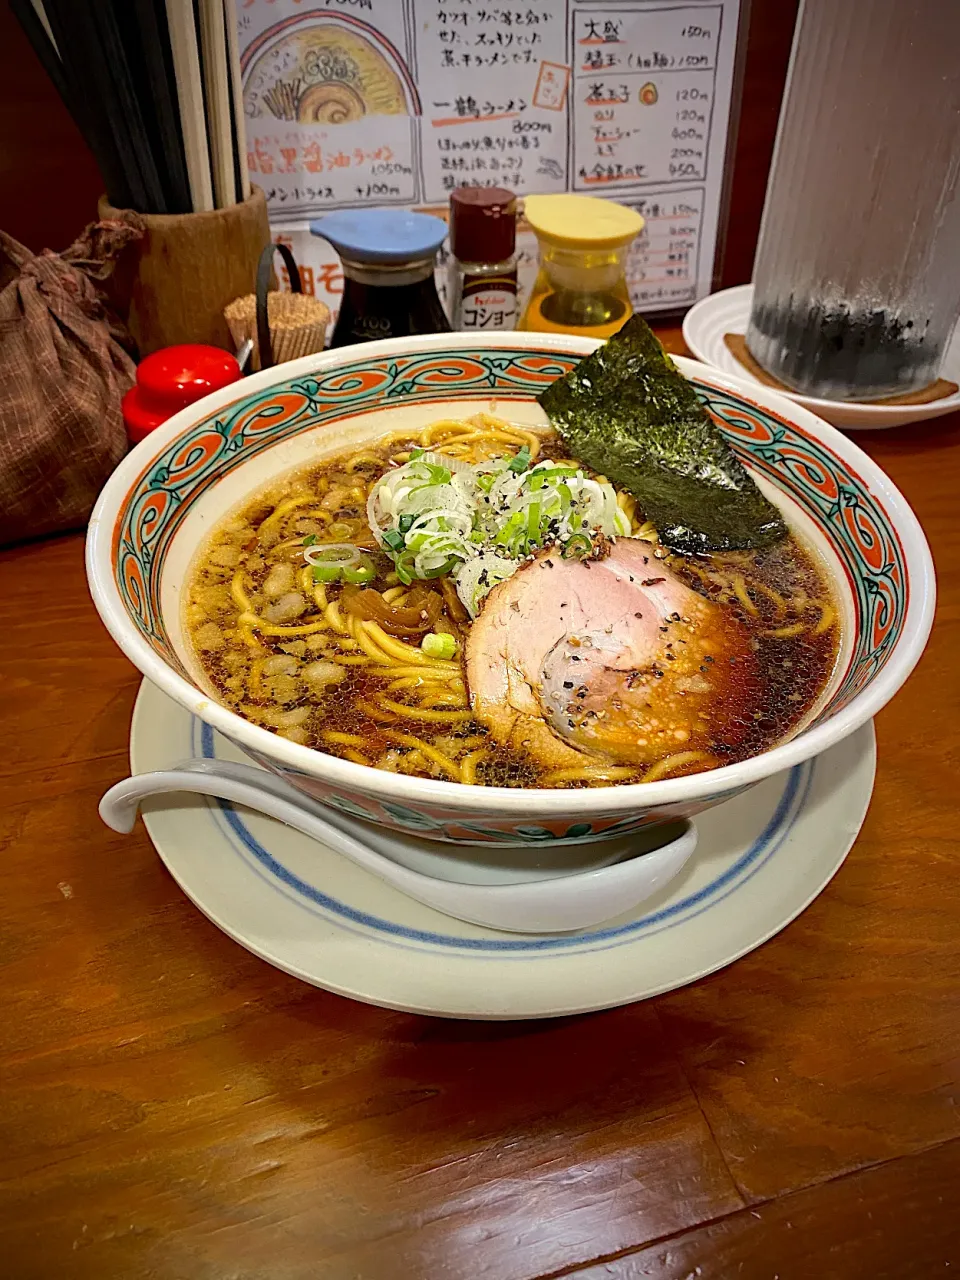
{"x": 762, "y": 858}
{"x": 728, "y": 311}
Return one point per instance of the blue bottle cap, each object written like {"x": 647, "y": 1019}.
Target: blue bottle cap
{"x": 381, "y": 235}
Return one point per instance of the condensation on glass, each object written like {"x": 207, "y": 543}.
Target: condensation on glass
{"x": 857, "y": 275}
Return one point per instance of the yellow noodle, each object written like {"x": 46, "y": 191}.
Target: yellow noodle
{"x": 404, "y": 436}
{"x": 423, "y": 713}
{"x": 468, "y": 767}
{"x": 437, "y": 696}
{"x": 424, "y": 681}
{"x": 406, "y": 682}
{"x": 282, "y": 509}
{"x": 356, "y": 757}
{"x": 444, "y": 424}
{"x": 669, "y": 764}
{"x": 431, "y": 753}
{"x": 394, "y": 593}
{"x": 272, "y": 629}
{"x": 740, "y": 590}
{"x": 461, "y": 442}
{"x": 375, "y": 713}
{"x": 345, "y": 660}
{"x": 237, "y": 590}
{"x": 255, "y": 679}
{"x": 827, "y": 615}
{"x": 345, "y": 739}
{"x": 353, "y": 462}
{"x": 405, "y": 652}
{"x": 425, "y": 672}
{"x": 369, "y": 648}
{"x": 587, "y": 773}
{"x": 775, "y": 596}
{"x": 335, "y": 619}
{"x": 783, "y": 633}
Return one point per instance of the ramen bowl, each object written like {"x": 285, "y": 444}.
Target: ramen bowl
{"x": 166, "y": 496}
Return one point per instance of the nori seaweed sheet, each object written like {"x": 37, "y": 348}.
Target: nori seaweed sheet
{"x": 628, "y": 412}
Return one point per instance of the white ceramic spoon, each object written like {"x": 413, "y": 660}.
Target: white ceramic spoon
{"x": 548, "y": 901}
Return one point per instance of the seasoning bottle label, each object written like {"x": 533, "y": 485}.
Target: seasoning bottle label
{"x": 489, "y": 302}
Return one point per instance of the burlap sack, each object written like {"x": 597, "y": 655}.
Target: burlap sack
{"x": 63, "y": 372}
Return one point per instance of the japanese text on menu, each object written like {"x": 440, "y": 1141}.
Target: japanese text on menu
{"x": 397, "y": 102}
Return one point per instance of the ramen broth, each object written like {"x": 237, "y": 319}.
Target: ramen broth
{"x": 324, "y": 664}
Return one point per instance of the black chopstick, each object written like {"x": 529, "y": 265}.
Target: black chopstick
{"x": 73, "y": 87}
{"x": 95, "y": 61}
{"x": 146, "y": 38}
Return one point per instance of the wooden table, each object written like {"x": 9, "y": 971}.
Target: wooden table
{"x": 174, "y": 1108}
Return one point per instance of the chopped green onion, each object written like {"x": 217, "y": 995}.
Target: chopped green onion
{"x": 416, "y": 453}
{"x": 446, "y": 567}
{"x": 533, "y": 522}
{"x": 405, "y": 567}
{"x": 329, "y": 563}
{"x": 438, "y": 475}
{"x": 520, "y": 461}
{"x": 578, "y": 545}
{"x": 405, "y": 523}
{"x": 393, "y": 539}
{"x": 360, "y": 573}
{"x": 438, "y": 645}
{"x": 310, "y": 539}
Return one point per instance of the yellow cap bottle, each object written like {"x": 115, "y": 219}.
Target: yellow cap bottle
{"x": 581, "y": 287}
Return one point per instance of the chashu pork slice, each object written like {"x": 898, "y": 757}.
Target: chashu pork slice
{"x": 576, "y": 662}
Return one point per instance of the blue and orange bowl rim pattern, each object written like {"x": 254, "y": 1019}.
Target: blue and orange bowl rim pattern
{"x": 800, "y": 455}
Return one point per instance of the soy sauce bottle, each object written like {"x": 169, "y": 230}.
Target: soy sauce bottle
{"x": 389, "y": 259}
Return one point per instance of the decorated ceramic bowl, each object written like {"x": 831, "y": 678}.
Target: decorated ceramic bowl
{"x": 170, "y": 491}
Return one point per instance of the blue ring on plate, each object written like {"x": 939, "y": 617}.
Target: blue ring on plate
{"x": 778, "y": 825}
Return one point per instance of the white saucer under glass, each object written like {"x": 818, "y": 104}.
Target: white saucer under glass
{"x": 706, "y": 324}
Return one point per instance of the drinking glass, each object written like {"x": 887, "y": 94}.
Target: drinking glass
{"x": 857, "y": 273}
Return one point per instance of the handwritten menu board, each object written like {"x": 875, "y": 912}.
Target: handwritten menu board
{"x": 352, "y": 103}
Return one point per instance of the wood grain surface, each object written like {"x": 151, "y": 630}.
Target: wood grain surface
{"x": 174, "y": 1108}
